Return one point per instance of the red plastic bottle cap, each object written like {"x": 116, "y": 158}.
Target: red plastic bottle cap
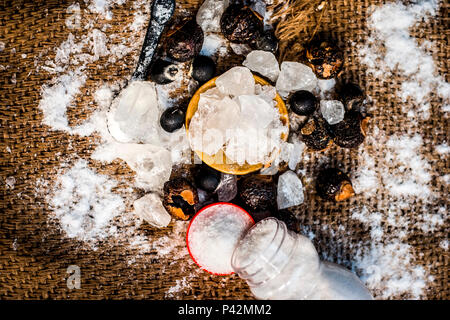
{"x": 213, "y": 233}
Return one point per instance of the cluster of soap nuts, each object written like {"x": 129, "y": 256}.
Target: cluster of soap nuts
{"x": 257, "y": 193}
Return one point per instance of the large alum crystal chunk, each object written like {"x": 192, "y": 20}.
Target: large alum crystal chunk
{"x": 236, "y": 81}
{"x": 332, "y": 110}
{"x": 134, "y": 114}
{"x": 264, "y": 63}
{"x": 150, "y": 209}
{"x": 290, "y": 190}
{"x": 209, "y": 14}
{"x": 152, "y": 164}
{"x": 295, "y": 76}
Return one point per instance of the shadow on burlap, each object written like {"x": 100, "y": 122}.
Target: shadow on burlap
{"x": 34, "y": 255}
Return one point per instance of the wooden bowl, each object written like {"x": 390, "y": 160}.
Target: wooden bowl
{"x": 219, "y": 161}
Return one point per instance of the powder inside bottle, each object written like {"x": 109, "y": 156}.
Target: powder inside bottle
{"x": 213, "y": 235}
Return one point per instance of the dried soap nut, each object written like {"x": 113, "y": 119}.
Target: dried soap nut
{"x": 240, "y": 24}
{"x": 258, "y": 192}
{"x": 325, "y": 59}
{"x": 186, "y": 42}
{"x": 350, "y": 132}
{"x": 333, "y": 184}
{"x": 266, "y": 41}
{"x": 180, "y": 197}
{"x": 352, "y": 96}
{"x": 315, "y": 134}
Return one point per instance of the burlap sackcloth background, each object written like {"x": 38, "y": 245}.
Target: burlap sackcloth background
{"x": 34, "y": 257}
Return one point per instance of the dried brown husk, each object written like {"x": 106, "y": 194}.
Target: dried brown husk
{"x": 296, "y": 22}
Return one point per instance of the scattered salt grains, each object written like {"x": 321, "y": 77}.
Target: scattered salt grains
{"x": 84, "y": 203}
{"x": 443, "y": 149}
{"x": 444, "y": 245}
{"x": 74, "y": 20}
{"x": 390, "y": 49}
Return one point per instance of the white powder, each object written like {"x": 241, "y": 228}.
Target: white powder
{"x": 388, "y": 269}
{"x": 213, "y": 235}
{"x": 387, "y": 262}
{"x": 411, "y": 171}
{"x": 391, "y": 50}
{"x": 84, "y": 203}
{"x": 443, "y": 149}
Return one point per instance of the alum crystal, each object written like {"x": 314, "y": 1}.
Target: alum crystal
{"x": 134, "y": 115}
{"x": 236, "y": 81}
{"x": 295, "y": 76}
{"x": 264, "y": 63}
{"x": 150, "y": 209}
{"x": 290, "y": 190}
{"x": 332, "y": 111}
{"x": 209, "y": 14}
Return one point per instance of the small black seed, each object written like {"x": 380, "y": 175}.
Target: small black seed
{"x": 303, "y": 103}
{"x": 203, "y": 69}
{"x": 207, "y": 178}
{"x": 172, "y": 119}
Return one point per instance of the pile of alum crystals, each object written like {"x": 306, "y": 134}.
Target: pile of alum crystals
{"x": 239, "y": 118}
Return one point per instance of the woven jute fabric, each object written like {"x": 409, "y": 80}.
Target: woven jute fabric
{"x": 34, "y": 255}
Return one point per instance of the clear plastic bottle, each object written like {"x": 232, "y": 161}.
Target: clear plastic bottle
{"x": 280, "y": 264}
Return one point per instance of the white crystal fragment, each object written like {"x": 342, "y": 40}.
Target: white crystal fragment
{"x": 236, "y": 81}
{"x": 264, "y": 63}
{"x": 295, "y": 76}
{"x": 210, "y": 123}
{"x": 255, "y": 111}
{"x": 295, "y": 155}
{"x": 150, "y": 209}
{"x": 290, "y": 190}
{"x": 152, "y": 164}
{"x": 332, "y": 110}
{"x": 227, "y": 188}
{"x": 268, "y": 93}
{"x": 326, "y": 87}
{"x": 241, "y": 49}
{"x": 134, "y": 114}
{"x": 214, "y": 44}
{"x": 209, "y": 14}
